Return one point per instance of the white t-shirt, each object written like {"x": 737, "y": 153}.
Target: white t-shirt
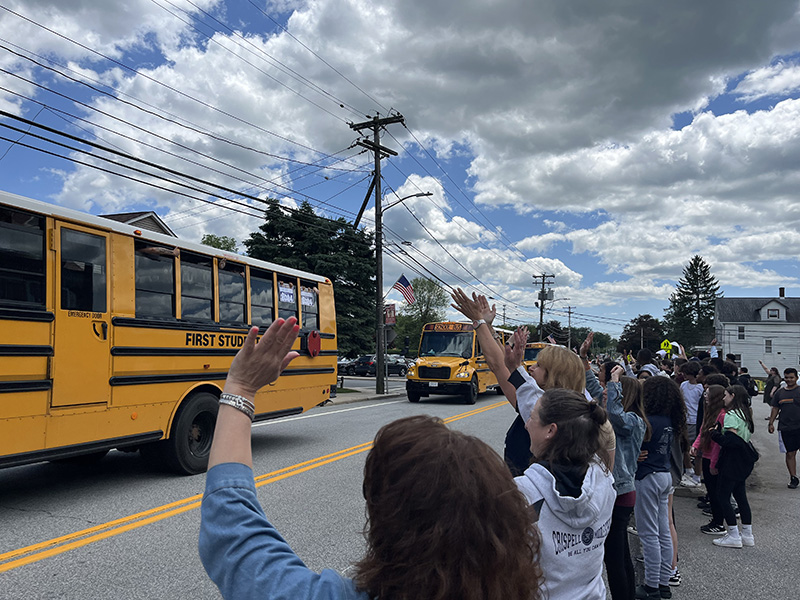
{"x": 692, "y": 394}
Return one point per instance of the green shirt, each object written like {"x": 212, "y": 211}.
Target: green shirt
{"x": 734, "y": 420}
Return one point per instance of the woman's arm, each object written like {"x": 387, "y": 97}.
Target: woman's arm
{"x": 253, "y": 367}
{"x": 763, "y": 366}
{"x": 476, "y": 309}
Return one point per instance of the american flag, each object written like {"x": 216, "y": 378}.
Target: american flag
{"x": 404, "y": 287}
{"x": 551, "y": 339}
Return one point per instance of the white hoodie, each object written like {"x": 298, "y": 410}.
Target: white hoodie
{"x": 573, "y": 531}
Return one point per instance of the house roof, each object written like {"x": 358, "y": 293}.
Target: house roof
{"x": 748, "y": 310}
{"x": 144, "y": 219}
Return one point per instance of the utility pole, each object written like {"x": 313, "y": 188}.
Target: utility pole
{"x": 380, "y": 152}
{"x": 569, "y": 327}
{"x": 504, "y": 315}
{"x": 542, "y": 297}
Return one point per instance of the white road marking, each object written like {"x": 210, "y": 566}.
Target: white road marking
{"x": 322, "y": 414}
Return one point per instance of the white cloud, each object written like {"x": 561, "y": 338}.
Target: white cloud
{"x": 776, "y": 80}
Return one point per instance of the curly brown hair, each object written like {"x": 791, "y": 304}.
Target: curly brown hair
{"x": 444, "y": 519}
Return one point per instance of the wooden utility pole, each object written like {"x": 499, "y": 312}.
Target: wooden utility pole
{"x": 545, "y": 279}
{"x": 380, "y": 152}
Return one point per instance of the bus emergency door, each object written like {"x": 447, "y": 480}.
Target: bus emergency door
{"x": 82, "y": 325}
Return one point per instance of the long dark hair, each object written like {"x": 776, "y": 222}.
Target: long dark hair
{"x": 577, "y": 438}
{"x": 715, "y": 402}
{"x": 444, "y": 519}
{"x": 632, "y": 402}
{"x": 741, "y": 405}
{"x": 663, "y": 397}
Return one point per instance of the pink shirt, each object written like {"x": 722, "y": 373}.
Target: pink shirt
{"x": 714, "y": 448}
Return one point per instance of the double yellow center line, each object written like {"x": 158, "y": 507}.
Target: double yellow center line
{"x": 36, "y": 552}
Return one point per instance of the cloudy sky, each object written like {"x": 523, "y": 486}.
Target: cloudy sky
{"x": 603, "y": 142}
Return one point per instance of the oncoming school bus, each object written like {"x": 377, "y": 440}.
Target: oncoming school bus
{"x": 532, "y": 350}
{"x": 115, "y": 337}
{"x": 451, "y": 362}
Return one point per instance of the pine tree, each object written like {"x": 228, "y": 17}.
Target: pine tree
{"x": 690, "y": 316}
{"x": 335, "y": 249}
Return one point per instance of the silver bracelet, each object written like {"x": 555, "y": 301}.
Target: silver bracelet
{"x": 240, "y": 403}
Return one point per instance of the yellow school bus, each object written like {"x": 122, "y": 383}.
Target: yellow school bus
{"x": 116, "y": 337}
{"x": 451, "y": 362}
{"x": 532, "y": 350}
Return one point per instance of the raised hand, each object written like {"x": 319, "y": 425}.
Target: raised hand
{"x": 515, "y": 350}
{"x": 586, "y": 345}
{"x": 470, "y": 308}
{"x": 259, "y": 364}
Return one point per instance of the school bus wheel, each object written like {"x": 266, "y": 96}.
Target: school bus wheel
{"x": 471, "y": 395}
{"x": 187, "y": 449}
{"x": 413, "y": 396}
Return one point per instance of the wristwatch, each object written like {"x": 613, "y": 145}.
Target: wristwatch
{"x": 478, "y": 323}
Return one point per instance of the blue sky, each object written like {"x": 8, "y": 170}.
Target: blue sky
{"x": 606, "y": 144}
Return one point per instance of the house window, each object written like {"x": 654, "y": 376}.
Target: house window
{"x": 741, "y": 332}
{"x": 767, "y": 346}
{"x": 773, "y": 313}
{"x": 737, "y": 359}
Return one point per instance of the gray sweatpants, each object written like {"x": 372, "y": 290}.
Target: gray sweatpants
{"x": 652, "y": 523}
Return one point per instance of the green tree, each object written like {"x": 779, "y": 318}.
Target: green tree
{"x": 222, "y": 242}
{"x": 431, "y": 302}
{"x": 303, "y": 240}
{"x": 644, "y": 329}
{"x": 690, "y": 316}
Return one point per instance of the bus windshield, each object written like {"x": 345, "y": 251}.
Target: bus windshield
{"x": 445, "y": 343}
{"x": 532, "y": 353}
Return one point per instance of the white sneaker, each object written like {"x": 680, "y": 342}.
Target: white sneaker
{"x": 687, "y": 481}
{"x": 748, "y": 540}
{"x": 726, "y": 541}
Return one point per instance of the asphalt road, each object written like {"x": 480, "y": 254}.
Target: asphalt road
{"x": 116, "y": 529}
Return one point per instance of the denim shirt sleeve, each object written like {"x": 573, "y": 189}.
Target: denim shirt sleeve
{"x": 624, "y": 423}
{"x": 245, "y": 556}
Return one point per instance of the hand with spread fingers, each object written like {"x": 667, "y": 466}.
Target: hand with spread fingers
{"x": 260, "y": 363}
{"x": 475, "y": 308}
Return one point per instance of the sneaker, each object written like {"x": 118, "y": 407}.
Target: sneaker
{"x": 645, "y": 593}
{"x": 703, "y": 504}
{"x": 726, "y": 541}
{"x": 793, "y": 483}
{"x": 688, "y": 481}
{"x": 712, "y": 529}
{"x": 675, "y": 578}
{"x": 664, "y": 591}
{"x": 748, "y": 540}
{"x": 632, "y": 530}
{"x": 707, "y": 512}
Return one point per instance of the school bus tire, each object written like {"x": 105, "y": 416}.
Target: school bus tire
{"x": 413, "y": 396}
{"x": 471, "y": 395}
{"x": 186, "y": 451}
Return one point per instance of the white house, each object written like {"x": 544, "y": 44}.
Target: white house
{"x": 754, "y": 329}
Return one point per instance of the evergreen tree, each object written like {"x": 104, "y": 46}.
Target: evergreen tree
{"x": 645, "y": 331}
{"x": 690, "y": 316}
{"x": 335, "y": 249}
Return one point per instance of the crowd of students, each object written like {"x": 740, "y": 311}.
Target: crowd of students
{"x": 448, "y": 518}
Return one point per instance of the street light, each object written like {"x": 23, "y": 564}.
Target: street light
{"x": 380, "y": 342}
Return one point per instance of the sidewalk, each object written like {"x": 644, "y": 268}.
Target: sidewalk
{"x": 356, "y": 395}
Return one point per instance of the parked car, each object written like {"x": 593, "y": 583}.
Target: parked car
{"x": 395, "y": 364}
{"x": 345, "y": 366}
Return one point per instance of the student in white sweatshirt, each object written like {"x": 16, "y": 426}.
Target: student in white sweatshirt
{"x": 572, "y": 492}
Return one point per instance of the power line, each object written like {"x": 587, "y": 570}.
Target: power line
{"x": 160, "y": 83}
{"x": 282, "y": 67}
{"x": 335, "y": 70}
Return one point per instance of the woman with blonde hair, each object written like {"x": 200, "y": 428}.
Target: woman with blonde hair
{"x": 556, "y": 366}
